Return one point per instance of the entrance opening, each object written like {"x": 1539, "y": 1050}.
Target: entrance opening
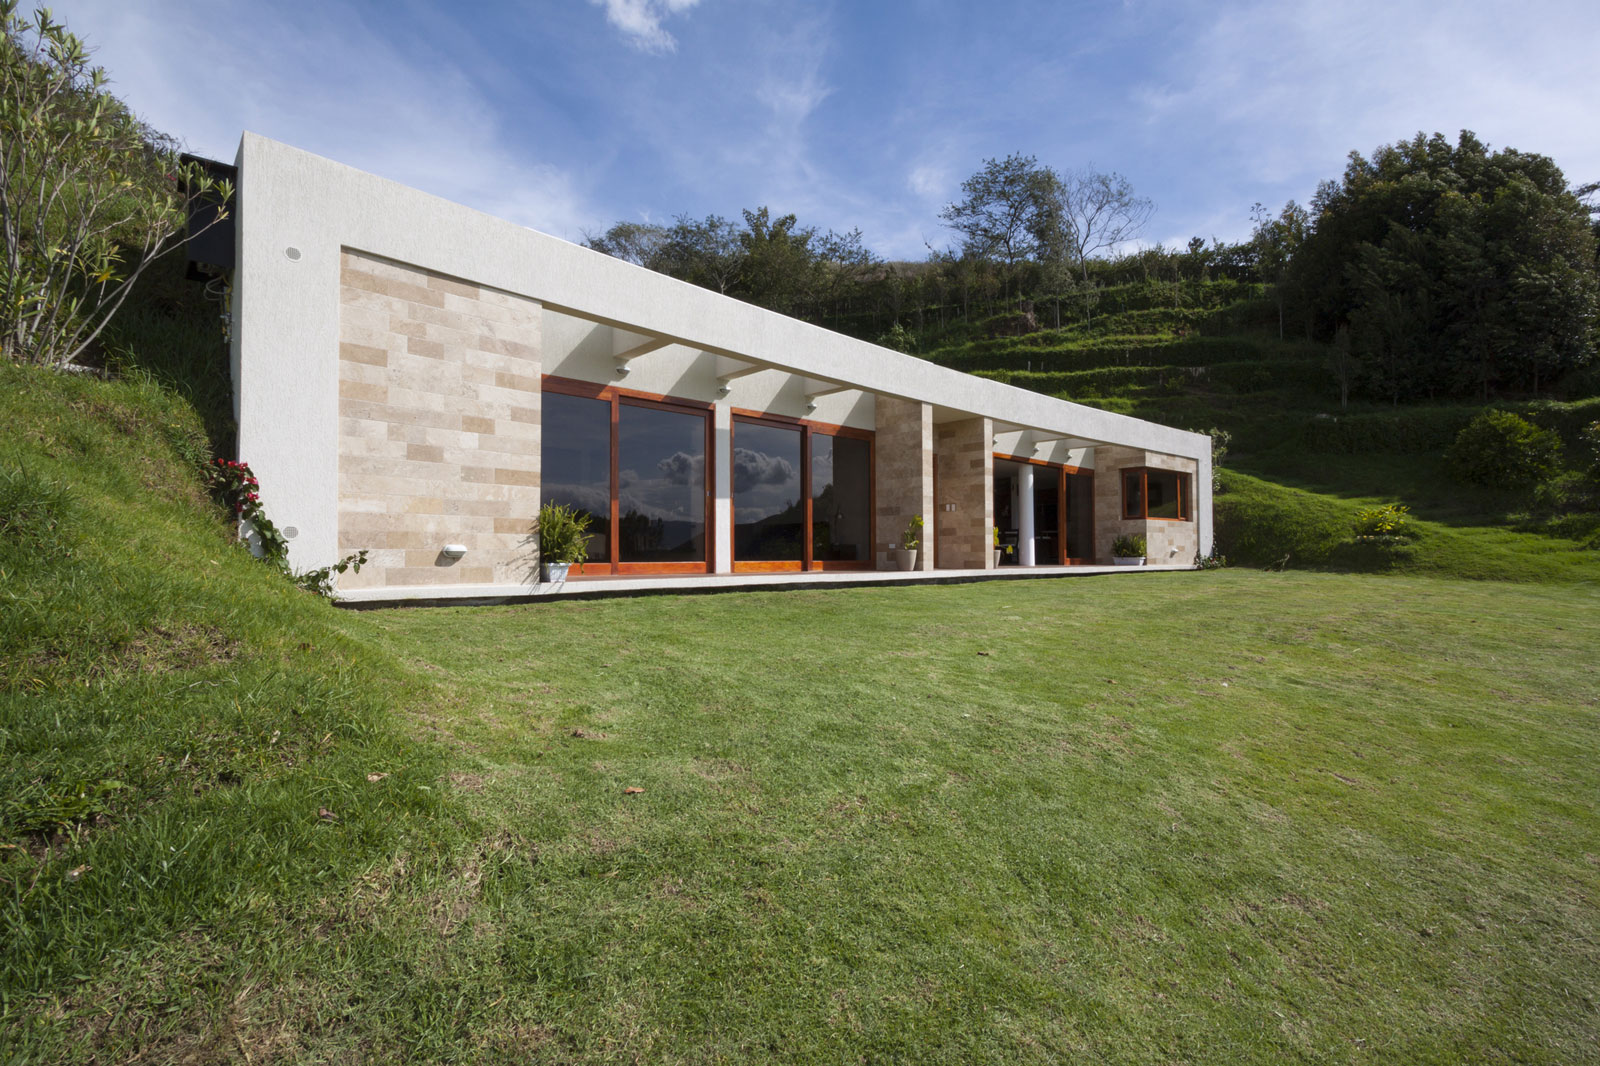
{"x": 1056, "y": 520}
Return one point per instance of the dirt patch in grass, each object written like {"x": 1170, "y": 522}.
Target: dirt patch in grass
{"x": 166, "y": 649}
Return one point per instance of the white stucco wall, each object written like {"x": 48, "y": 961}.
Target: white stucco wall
{"x": 296, "y": 211}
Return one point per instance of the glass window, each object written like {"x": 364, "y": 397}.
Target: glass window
{"x": 841, "y": 494}
{"x": 1163, "y": 490}
{"x": 1155, "y": 494}
{"x": 575, "y": 464}
{"x": 1133, "y": 494}
{"x": 1080, "y": 516}
{"x": 661, "y": 485}
{"x": 768, "y": 505}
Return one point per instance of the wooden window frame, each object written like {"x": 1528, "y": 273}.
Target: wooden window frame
{"x": 616, "y": 397}
{"x": 1185, "y": 494}
{"x": 1062, "y": 472}
{"x": 808, "y": 428}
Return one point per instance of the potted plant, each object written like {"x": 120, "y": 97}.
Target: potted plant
{"x": 905, "y": 556}
{"x": 563, "y": 534}
{"x": 1001, "y": 550}
{"x": 1128, "y": 550}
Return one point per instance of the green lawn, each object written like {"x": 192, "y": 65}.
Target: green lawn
{"x": 1202, "y": 818}
{"x": 1224, "y": 816}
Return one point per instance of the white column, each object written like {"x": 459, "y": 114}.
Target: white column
{"x": 722, "y": 487}
{"x": 1025, "y": 514}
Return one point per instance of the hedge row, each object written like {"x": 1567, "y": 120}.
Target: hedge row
{"x": 1106, "y": 353}
{"x": 1237, "y": 377}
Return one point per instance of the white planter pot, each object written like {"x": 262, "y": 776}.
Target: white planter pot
{"x": 998, "y": 555}
{"x": 555, "y": 573}
{"x": 903, "y": 558}
{"x": 1127, "y": 560}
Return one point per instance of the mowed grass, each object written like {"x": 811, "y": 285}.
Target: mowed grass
{"x": 1217, "y": 817}
{"x": 1209, "y": 817}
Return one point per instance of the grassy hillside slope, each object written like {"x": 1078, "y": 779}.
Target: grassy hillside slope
{"x": 173, "y": 718}
{"x": 1203, "y": 355}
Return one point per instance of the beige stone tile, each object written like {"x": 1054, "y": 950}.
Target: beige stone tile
{"x": 439, "y": 283}
{"x": 508, "y": 476}
{"x": 431, "y": 349}
{"x": 364, "y": 353}
{"x": 357, "y": 390}
{"x": 499, "y": 346}
{"x": 425, "y": 453}
{"x": 350, "y": 297}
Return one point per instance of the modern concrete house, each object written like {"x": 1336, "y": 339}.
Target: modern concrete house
{"x": 411, "y": 374}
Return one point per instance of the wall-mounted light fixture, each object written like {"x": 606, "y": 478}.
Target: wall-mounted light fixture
{"x": 453, "y": 551}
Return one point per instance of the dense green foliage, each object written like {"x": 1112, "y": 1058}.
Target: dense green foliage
{"x": 1458, "y": 271}
{"x": 1429, "y": 272}
{"x": 1501, "y": 449}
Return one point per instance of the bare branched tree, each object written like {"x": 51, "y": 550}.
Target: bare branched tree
{"x": 89, "y": 195}
{"x": 1098, "y": 212}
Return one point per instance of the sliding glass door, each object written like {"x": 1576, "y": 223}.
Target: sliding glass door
{"x": 637, "y": 467}
{"x": 661, "y": 485}
{"x": 841, "y": 502}
{"x": 769, "y": 511}
{"x": 802, "y": 496}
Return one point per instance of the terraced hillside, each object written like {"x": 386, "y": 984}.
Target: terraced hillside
{"x": 1301, "y": 463}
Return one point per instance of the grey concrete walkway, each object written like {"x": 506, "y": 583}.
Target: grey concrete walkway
{"x": 690, "y": 584}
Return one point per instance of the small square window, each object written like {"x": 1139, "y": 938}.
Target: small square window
{"x": 1160, "y": 494}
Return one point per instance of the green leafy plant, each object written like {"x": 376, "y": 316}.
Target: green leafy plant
{"x": 563, "y": 534}
{"x": 1214, "y": 561}
{"x": 1129, "y": 546}
{"x": 321, "y": 580}
{"x": 90, "y": 195}
{"x": 236, "y": 487}
{"x": 1385, "y": 524}
{"x": 1503, "y": 450}
{"x": 1589, "y": 451}
{"x": 911, "y": 539}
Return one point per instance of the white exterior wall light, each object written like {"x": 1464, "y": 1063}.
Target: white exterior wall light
{"x": 453, "y": 551}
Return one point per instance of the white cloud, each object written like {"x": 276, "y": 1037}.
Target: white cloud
{"x": 328, "y": 83}
{"x": 1277, "y": 93}
{"x": 640, "y": 21}
{"x": 931, "y": 181}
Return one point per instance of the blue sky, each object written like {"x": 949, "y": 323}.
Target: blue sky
{"x": 566, "y": 115}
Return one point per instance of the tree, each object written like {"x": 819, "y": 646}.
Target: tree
{"x": 639, "y": 243}
{"x": 707, "y": 252}
{"x": 1010, "y": 211}
{"x": 1459, "y": 271}
{"x": 1095, "y": 212}
{"x": 1275, "y": 241}
{"x": 89, "y": 195}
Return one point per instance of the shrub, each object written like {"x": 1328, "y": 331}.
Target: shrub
{"x": 1589, "y": 451}
{"x": 563, "y": 534}
{"x": 1503, "y": 450}
{"x": 1129, "y": 546}
{"x": 1383, "y": 525}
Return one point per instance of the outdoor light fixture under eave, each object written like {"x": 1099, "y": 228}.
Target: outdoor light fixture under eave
{"x": 453, "y": 551}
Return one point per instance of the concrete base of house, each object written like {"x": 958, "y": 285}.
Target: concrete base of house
{"x": 604, "y": 587}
